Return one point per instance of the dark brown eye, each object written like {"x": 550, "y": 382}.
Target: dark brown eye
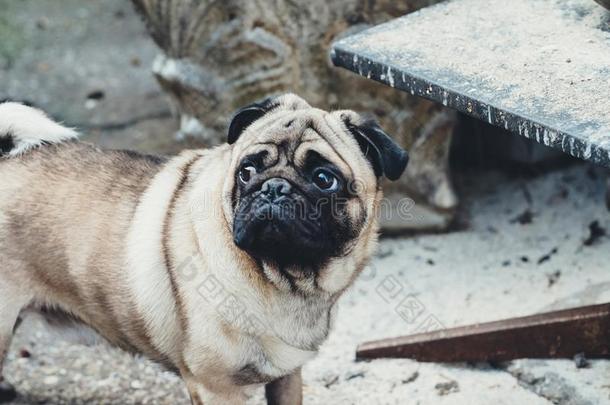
{"x": 246, "y": 172}
{"x": 325, "y": 180}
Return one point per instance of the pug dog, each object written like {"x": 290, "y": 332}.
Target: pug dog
{"x": 224, "y": 265}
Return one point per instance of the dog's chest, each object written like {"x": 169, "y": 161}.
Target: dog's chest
{"x": 291, "y": 340}
{"x": 269, "y": 359}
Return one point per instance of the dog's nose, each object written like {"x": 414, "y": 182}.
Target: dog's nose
{"x": 275, "y": 188}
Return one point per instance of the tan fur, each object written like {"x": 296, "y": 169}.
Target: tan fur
{"x": 141, "y": 249}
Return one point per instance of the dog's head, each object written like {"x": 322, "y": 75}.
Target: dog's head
{"x": 304, "y": 184}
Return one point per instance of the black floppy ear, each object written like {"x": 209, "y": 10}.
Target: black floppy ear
{"x": 247, "y": 115}
{"x": 386, "y": 156}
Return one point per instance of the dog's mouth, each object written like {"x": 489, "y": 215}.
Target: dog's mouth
{"x": 287, "y": 230}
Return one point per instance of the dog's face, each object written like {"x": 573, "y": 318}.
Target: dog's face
{"x": 304, "y": 183}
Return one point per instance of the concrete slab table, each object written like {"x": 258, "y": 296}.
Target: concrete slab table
{"x": 538, "y": 68}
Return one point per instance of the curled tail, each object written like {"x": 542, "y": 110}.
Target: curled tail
{"x": 23, "y": 128}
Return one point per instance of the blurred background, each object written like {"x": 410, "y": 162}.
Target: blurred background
{"x": 501, "y": 226}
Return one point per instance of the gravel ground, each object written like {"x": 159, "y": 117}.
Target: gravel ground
{"x": 526, "y": 247}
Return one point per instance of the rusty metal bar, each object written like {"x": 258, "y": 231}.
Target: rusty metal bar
{"x": 559, "y": 334}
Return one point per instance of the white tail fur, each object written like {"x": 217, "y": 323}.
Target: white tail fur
{"x": 24, "y": 127}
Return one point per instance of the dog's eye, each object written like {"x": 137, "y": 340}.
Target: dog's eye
{"x": 325, "y": 180}
{"x": 246, "y": 172}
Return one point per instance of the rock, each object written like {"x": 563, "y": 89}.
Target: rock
{"x": 550, "y": 386}
{"x": 353, "y": 375}
{"x": 554, "y": 277}
{"x": 595, "y": 233}
{"x": 580, "y": 361}
{"x": 546, "y": 257}
{"x": 411, "y": 378}
{"x": 137, "y": 385}
{"x": 330, "y": 380}
{"x": 384, "y": 251}
{"x": 218, "y": 56}
{"x": 524, "y": 218}
{"x": 447, "y": 388}
{"x": 51, "y": 380}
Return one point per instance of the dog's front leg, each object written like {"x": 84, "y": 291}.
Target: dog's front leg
{"x": 286, "y": 390}
{"x": 12, "y": 301}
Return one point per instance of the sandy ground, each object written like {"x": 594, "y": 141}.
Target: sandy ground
{"x": 520, "y": 248}
{"x": 495, "y": 268}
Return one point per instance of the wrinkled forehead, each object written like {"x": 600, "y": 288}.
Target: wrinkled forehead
{"x": 297, "y": 133}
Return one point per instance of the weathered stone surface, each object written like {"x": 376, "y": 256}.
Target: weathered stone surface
{"x": 457, "y": 54}
{"x": 88, "y": 65}
{"x": 219, "y": 56}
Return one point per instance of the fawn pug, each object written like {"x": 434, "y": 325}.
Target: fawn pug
{"x": 224, "y": 265}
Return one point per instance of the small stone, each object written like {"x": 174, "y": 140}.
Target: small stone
{"x": 51, "y": 380}
{"x": 596, "y": 232}
{"x": 580, "y": 361}
{"x": 353, "y": 375}
{"x": 553, "y": 277}
{"x": 137, "y": 385}
{"x": 524, "y": 218}
{"x": 330, "y": 380}
{"x": 411, "y": 378}
{"x": 96, "y": 95}
{"x": 90, "y": 104}
{"x": 447, "y": 388}
{"x": 42, "y": 23}
{"x": 547, "y": 257}
{"x": 384, "y": 251}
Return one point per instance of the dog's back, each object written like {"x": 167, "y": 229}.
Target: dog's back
{"x": 65, "y": 210}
